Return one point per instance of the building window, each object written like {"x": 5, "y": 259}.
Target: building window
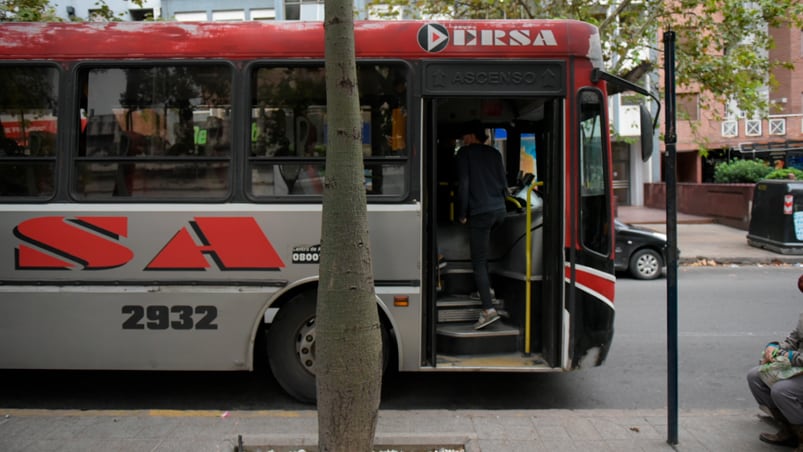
{"x": 138, "y": 15}
{"x": 303, "y": 9}
{"x": 228, "y": 16}
{"x": 752, "y": 127}
{"x": 263, "y": 14}
{"x": 97, "y": 15}
{"x": 688, "y": 106}
{"x": 730, "y": 128}
{"x": 777, "y": 126}
{"x": 191, "y": 16}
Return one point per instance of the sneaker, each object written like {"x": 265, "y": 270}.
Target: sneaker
{"x": 486, "y": 318}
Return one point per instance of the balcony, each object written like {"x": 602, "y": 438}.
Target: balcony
{"x": 786, "y": 126}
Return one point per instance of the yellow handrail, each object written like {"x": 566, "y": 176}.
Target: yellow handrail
{"x": 528, "y": 253}
{"x": 513, "y": 201}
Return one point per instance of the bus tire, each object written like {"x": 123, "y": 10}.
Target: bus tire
{"x": 291, "y": 347}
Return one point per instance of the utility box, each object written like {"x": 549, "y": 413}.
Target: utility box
{"x": 776, "y": 219}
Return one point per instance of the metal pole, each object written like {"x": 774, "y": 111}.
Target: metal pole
{"x": 671, "y": 232}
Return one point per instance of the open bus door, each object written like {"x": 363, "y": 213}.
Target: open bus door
{"x": 525, "y": 339}
{"x": 432, "y": 277}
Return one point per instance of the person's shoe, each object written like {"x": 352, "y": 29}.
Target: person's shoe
{"x": 784, "y": 437}
{"x": 486, "y": 318}
{"x": 786, "y": 434}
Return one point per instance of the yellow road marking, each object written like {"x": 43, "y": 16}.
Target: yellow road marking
{"x": 155, "y": 413}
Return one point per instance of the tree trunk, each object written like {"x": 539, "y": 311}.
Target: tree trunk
{"x": 348, "y": 363}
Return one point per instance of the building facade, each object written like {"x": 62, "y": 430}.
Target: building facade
{"x": 776, "y": 137}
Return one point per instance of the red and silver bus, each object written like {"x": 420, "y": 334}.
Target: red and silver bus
{"x": 160, "y": 194}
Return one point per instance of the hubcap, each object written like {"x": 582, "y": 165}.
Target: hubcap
{"x": 647, "y": 265}
{"x": 305, "y": 345}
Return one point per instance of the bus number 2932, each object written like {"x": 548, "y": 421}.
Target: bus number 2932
{"x": 179, "y": 317}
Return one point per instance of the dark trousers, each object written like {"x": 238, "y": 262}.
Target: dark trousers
{"x": 480, "y": 226}
{"x": 785, "y": 395}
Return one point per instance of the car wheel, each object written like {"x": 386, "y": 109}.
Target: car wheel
{"x": 646, "y": 264}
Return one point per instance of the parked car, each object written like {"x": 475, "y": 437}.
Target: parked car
{"x": 639, "y": 251}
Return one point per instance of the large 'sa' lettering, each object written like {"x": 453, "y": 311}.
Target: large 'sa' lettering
{"x": 59, "y": 243}
{"x": 235, "y": 243}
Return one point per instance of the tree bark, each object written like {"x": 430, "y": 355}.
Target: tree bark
{"x": 348, "y": 339}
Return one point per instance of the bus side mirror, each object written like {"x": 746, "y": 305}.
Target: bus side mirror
{"x": 646, "y": 133}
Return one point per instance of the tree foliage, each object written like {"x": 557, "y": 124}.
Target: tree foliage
{"x": 722, "y": 45}
{"x": 27, "y": 11}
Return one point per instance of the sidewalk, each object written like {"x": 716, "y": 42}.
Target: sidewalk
{"x": 409, "y": 431}
{"x": 704, "y": 242}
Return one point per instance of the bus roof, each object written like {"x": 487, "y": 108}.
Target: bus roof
{"x": 501, "y": 39}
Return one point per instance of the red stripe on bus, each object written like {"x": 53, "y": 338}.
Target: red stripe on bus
{"x": 599, "y": 284}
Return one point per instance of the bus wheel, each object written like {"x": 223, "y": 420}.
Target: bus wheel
{"x": 291, "y": 347}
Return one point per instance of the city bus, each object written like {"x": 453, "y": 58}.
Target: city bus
{"x": 160, "y": 194}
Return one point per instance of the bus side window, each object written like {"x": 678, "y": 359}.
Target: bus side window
{"x": 595, "y": 221}
{"x": 288, "y": 130}
{"x": 28, "y": 102}
{"x": 155, "y": 132}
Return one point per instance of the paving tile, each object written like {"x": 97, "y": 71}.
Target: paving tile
{"x": 507, "y": 427}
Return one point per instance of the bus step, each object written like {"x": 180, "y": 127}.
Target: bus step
{"x": 458, "y": 315}
{"x": 458, "y": 302}
{"x": 464, "y": 301}
{"x": 461, "y": 308}
{"x": 463, "y": 339}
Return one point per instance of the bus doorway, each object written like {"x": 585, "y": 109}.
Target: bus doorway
{"x": 527, "y": 133}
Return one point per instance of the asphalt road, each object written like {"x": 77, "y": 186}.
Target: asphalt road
{"x": 726, "y": 315}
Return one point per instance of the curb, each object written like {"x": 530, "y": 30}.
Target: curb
{"x": 701, "y": 261}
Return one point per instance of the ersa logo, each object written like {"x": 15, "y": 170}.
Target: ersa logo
{"x": 435, "y": 37}
{"x": 96, "y": 243}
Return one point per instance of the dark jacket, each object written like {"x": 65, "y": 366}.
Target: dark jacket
{"x": 482, "y": 186}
